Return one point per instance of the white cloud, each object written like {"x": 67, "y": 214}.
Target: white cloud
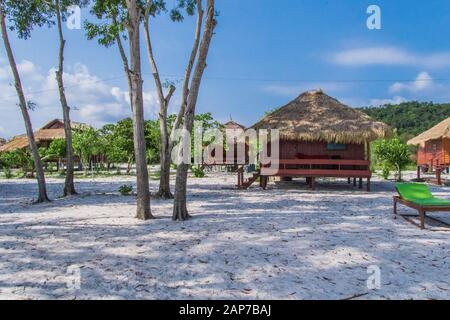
{"x": 390, "y": 56}
{"x": 92, "y": 100}
{"x": 423, "y": 82}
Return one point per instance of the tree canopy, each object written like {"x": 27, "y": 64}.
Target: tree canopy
{"x": 410, "y": 118}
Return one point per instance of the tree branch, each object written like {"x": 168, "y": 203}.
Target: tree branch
{"x": 188, "y": 73}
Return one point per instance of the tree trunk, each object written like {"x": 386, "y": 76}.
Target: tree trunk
{"x": 164, "y": 179}
{"x": 69, "y": 186}
{"x": 180, "y": 211}
{"x": 42, "y": 195}
{"x": 164, "y": 150}
{"x": 143, "y": 193}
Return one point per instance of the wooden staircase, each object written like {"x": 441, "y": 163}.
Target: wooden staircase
{"x": 246, "y": 183}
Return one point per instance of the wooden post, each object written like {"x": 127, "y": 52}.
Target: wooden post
{"x": 264, "y": 182}
{"x": 360, "y": 183}
{"x": 418, "y": 172}
{"x": 395, "y": 208}
{"x": 422, "y": 219}
{"x": 313, "y": 183}
{"x": 349, "y": 181}
{"x": 354, "y": 182}
{"x": 368, "y": 184}
{"x": 239, "y": 177}
{"x": 438, "y": 175}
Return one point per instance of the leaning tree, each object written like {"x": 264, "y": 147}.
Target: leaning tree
{"x": 152, "y": 8}
{"x": 23, "y": 17}
{"x": 190, "y": 94}
{"x": 59, "y": 10}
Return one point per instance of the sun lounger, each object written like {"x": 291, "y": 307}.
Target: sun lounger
{"x": 419, "y": 197}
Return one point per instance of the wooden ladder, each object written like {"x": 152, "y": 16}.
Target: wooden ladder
{"x": 246, "y": 183}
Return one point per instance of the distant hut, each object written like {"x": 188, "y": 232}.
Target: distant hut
{"x": 321, "y": 137}
{"x": 232, "y": 125}
{"x": 44, "y": 136}
{"x": 433, "y": 148}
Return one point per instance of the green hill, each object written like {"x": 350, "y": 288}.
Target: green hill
{"x": 410, "y": 118}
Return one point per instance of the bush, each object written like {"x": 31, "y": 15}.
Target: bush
{"x": 385, "y": 171}
{"x": 8, "y": 173}
{"x": 126, "y": 190}
{"x": 198, "y": 172}
{"x": 393, "y": 153}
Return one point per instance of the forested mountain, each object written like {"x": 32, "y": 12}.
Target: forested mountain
{"x": 410, "y": 118}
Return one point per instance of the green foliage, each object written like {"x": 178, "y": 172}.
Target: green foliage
{"x": 152, "y": 140}
{"x": 126, "y": 189}
{"x": 17, "y": 159}
{"x": 114, "y": 15}
{"x": 8, "y": 173}
{"x": 410, "y": 118}
{"x": 24, "y": 16}
{"x": 198, "y": 172}
{"x": 56, "y": 149}
{"x": 385, "y": 171}
{"x": 392, "y": 153}
{"x": 86, "y": 143}
{"x": 118, "y": 141}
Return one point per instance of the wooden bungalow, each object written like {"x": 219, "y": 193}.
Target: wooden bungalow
{"x": 320, "y": 137}
{"x": 433, "y": 151}
{"x": 51, "y": 131}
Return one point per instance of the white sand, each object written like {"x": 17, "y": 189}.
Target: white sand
{"x": 282, "y": 243}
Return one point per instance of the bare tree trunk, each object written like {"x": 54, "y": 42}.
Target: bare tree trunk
{"x": 143, "y": 193}
{"x": 69, "y": 186}
{"x": 187, "y": 76}
{"x": 164, "y": 151}
{"x": 180, "y": 211}
{"x": 42, "y": 196}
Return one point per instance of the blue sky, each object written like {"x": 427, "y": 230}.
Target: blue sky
{"x": 264, "y": 54}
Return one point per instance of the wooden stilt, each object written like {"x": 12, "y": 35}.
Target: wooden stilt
{"x": 354, "y": 182}
{"x": 418, "y": 172}
{"x": 422, "y": 219}
{"x": 360, "y": 184}
{"x": 395, "y": 207}
{"x": 349, "y": 181}
{"x": 368, "y": 184}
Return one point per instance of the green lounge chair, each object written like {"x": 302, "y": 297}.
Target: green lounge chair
{"x": 419, "y": 197}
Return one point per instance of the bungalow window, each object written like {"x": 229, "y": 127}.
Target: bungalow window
{"x": 336, "y": 147}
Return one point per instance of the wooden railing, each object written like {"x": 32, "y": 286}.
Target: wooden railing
{"x": 318, "y": 168}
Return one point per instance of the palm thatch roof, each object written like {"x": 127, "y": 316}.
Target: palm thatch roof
{"x": 441, "y": 130}
{"x": 51, "y": 131}
{"x": 315, "y": 116}
{"x": 233, "y": 125}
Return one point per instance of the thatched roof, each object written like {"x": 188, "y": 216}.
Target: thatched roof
{"x": 441, "y": 130}
{"x": 315, "y": 116}
{"x": 233, "y": 125}
{"x": 42, "y": 135}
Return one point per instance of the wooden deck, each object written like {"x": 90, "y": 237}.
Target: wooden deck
{"x": 315, "y": 168}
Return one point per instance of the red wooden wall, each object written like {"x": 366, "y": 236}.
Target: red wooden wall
{"x": 292, "y": 149}
{"x": 434, "y": 152}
